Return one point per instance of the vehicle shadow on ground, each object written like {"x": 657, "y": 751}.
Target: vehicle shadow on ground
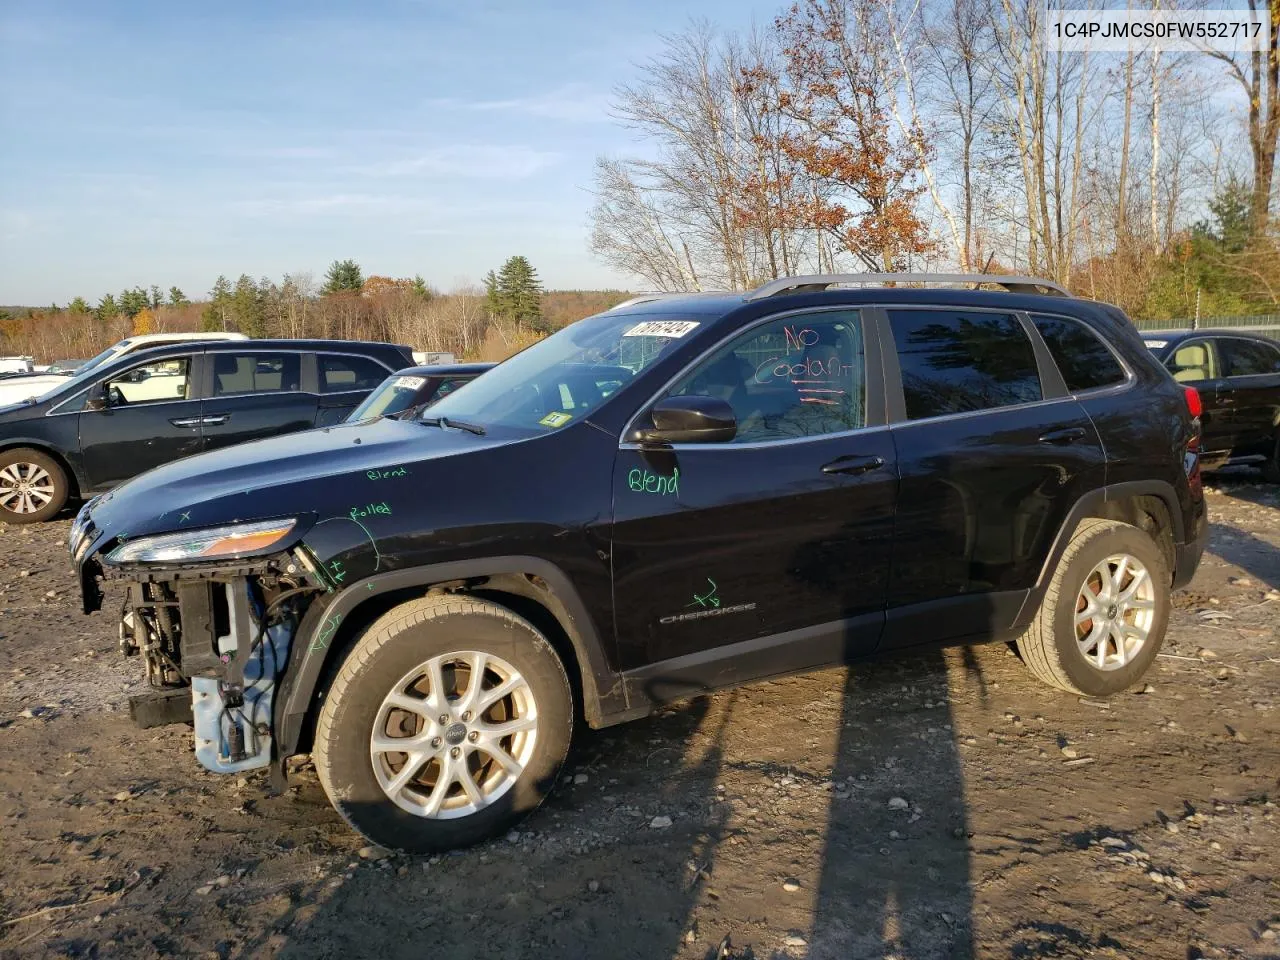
{"x": 591, "y": 877}
{"x": 1250, "y": 553}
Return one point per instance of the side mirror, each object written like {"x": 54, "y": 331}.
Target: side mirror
{"x": 689, "y": 420}
{"x": 99, "y": 398}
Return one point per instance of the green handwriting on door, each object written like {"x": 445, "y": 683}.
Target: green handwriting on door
{"x": 645, "y": 481}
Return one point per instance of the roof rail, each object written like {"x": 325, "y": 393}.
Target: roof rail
{"x": 820, "y": 281}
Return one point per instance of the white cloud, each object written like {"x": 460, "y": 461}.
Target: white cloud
{"x": 470, "y": 161}
{"x": 575, "y": 103}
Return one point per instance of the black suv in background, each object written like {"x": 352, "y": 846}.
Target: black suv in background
{"x": 148, "y": 408}
{"x": 415, "y": 387}
{"x": 1238, "y": 378}
{"x": 675, "y": 495}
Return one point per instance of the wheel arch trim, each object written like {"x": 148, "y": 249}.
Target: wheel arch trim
{"x": 603, "y": 692}
{"x": 1087, "y": 506}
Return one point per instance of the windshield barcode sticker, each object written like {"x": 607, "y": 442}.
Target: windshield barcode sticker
{"x": 410, "y": 383}
{"x": 1156, "y": 344}
{"x": 661, "y": 328}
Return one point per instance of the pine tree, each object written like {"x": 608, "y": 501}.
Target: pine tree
{"x": 133, "y": 301}
{"x": 78, "y": 306}
{"x": 214, "y": 316}
{"x": 515, "y": 294}
{"x": 107, "y": 309}
{"x": 177, "y": 298}
{"x": 247, "y": 305}
{"x": 157, "y": 298}
{"x": 343, "y": 275}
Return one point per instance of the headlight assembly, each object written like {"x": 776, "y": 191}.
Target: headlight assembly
{"x": 229, "y": 542}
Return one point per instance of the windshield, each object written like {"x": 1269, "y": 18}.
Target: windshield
{"x": 87, "y": 371}
{"x": 566, "y": 376}
{"x": 395, "y": 394}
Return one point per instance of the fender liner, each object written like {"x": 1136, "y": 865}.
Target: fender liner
{"x": 1091, "y": 504}
{"x": 603, "y": 692}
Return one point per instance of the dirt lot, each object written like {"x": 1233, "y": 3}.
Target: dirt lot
{"x": 938, "y": 805}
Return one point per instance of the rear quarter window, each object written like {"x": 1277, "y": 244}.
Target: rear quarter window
{"x": 1086, "y": 363}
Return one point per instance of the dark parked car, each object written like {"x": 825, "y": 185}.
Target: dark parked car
{"x": 416, "y": 387}
{"x": 1238, "y": 377}
{"x": 669, "y": 497}
{"x": 145, "y": 409}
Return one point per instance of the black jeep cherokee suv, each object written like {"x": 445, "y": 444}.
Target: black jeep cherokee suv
{"x": 676, "y": 495}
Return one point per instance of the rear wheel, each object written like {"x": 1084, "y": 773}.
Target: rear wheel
{"x": 1104, "y": 614}
{"x": 1271, "y": 468}
{"x": 33, "y": 487}
{"x": 447, "y": 723}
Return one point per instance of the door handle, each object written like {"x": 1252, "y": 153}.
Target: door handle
{"x": 852, "y": 466}
{"x": 214, "y": 421}
{"x": 1066, "y": 435}
{"x": 186, "y": 422}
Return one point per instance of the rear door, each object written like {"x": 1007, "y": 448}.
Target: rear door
{"x": 253, "y": 394}
{"x": 1252, "y": 369}
{"x": 992, "y": 453}
{"x": 1195, "y": 363}
{"x": 343, "y": 380}
{"x": 153, "y": 418}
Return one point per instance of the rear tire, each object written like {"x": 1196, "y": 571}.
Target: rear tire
{"x": 1104, "y": 614}
{"x": 1271, "y": 468}
{"x": 33, "y": 487}
{"x": 475, "y": 759}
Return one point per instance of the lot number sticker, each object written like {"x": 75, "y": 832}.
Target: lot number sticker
{"x": 410, "y": 383}
{"x": 556, "y": 419}
{"x": 662, "y": 328}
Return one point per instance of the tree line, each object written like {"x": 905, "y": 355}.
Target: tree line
{"x": 491, "y": 323}
{"x": 875, "y": 135}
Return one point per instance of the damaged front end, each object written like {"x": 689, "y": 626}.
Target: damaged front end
{"x": 215, "y": 628}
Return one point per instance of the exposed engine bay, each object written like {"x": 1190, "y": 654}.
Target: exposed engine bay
{"x": 225, "y": 634}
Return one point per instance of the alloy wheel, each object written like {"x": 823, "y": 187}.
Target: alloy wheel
{"x": 454, "y": 735}
{"x": 25, "y": 488}
{"x": 1114, "y": 612}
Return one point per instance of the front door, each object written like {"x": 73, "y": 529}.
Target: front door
{"x": 773, "y": 547}
{"x": 151, "y": 419}
{"x": 1195, "y": 363}
{"x": 252, "y": 395}
{"x": 1252, "y": 371}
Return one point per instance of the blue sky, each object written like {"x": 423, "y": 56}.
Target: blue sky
{"x": 166, "y": 143}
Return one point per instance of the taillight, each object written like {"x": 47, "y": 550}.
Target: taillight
{"x": 1194, "y": 406}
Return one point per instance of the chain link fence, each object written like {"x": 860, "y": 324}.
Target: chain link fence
{"x": 1267, "y": 324}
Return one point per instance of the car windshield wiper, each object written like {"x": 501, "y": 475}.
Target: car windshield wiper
{"x": 456, "y": 424}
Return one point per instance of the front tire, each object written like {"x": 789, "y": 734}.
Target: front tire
{"x": 447, "y": 723}
{"x": 1104, "y": 614}
{"x": 33, "y": 486}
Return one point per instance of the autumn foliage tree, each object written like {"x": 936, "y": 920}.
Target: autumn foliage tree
{"x": 845, "y": 135}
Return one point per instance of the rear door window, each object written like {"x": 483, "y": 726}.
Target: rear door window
{"x": 341, "y": 373}
{"x": 1248, "y": 358}
{"x": 959, "y": 361}
{"x": 1086, "y": 363}
{"x": 239, "y": 373}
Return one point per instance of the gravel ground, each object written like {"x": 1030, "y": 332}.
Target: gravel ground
{"x": 938, "y": 804}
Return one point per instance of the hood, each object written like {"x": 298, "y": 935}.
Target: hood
{"x": 17, "y": 389}
{"x": 301, "y": 475}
